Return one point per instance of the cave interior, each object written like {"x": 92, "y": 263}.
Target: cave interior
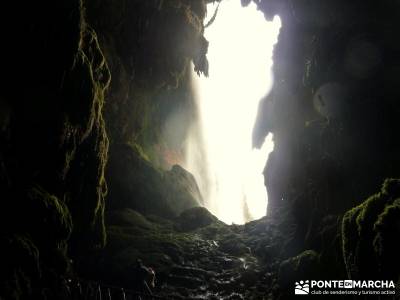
{"x": 92, "y": 191}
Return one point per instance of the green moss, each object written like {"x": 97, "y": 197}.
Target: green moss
{"x": 87, "y": 82}
{"x": 215, "y": 231}
{"x": 148, "y": 81}
{"x": 58, "y": 119}
{"x": 182, "y": 191}
{"x": 300, "y": 267}
{"x": 56, "y": 221}
{"x": 132, "y": 235}
{"x": 195, "y": 218}
{"x": 127, "y": 243}
{"x": 387, "y": 230}
{"x": 85, "y": 85}
{"x": 128, "y": 217}
{"x": 139, "y": 149}
{"x": 86, "y": 180}
{"x": 20, "y": 266}
{"x": 350, "y": 237}
{"x": 357, "y": 235}
{"x": 137, "y": 184}
{"x": 368, "y": 212}
{"x": 368, "y": 231}
{"x": 391, "y": 187}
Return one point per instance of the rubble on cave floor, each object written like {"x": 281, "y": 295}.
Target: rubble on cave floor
{"x": 195, "y": 256}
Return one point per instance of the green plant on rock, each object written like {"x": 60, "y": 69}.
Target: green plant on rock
{"x": 87, "y": 83}
{"x": 303, "y": 266}
{"x": 19, "y": 266}
{"x": 56, "y": 221}
{"x": 368, "y": 231}
{"x": 387, "y": 229}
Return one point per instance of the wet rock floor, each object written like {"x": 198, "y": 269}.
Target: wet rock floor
{"x": 212, "y": 260}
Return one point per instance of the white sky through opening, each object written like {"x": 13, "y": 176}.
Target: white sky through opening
{"x": 240, "y": 57}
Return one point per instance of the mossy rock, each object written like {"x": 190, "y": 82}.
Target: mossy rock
{"x": 233, "y": 246}
{"x": 386, "y": 247}
{"x": 217, "y": 230}
{"x": 156, "y": 64}
{"x": 86, "y": 142}
{"x": 128, "y": 217}
{"x": 88, "y": 190}
{"x": 57, "y": 139}
{"x": 195, "y": 218}
{"x": 304, "y": 266}
{"x": 368, "y": 232}
{"x": 20, "y": 266}
{"x": 183, "y": 191}
{"x": 135, "y": 183}
{"x": 56, "y": 221}
{"x": 132, "y": 236}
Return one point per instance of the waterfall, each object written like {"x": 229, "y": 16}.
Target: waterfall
{"x": 219, "y": 146}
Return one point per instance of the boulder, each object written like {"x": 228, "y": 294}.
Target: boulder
{"x": 300, "y": 267}
{"x": 195, "y": 218}
{"x": 135, "y": 183}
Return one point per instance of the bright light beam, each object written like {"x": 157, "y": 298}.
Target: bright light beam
{"x": 240, "y": 57}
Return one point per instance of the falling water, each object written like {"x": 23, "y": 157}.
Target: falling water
{"x": 228, "y": 170}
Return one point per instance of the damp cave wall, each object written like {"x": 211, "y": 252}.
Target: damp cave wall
{"x": 333, "y": 105}
{"x": 152, "y": 48}
{"x": 334, "y": 111}
{"x": 53, "y": 144}
{"x": 88, "y": 85}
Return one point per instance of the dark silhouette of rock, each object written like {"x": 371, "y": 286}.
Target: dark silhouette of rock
{"x": 195, "y": 218}
{"x": 135, "y": 183}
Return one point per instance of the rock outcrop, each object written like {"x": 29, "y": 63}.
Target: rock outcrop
{"x": 369, "y": 231}
{"x": 135, "y": 183}
{"x": 333, "y": 115}
{"x": 52, "y": 130}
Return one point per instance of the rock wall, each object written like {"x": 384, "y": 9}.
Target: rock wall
{"x": 59, "y": 115}
{"x": 52, "y": 129}
{"x": 369, "y": 231}
{"x": 333, "y": 112}
{"x": 150, "y": 47}
{"x": 332, "y": 109}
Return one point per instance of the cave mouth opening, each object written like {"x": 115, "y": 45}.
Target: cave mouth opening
{"x": 228, "y": 170}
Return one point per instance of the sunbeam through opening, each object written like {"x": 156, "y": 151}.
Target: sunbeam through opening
{"x": 240, "y": 56}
